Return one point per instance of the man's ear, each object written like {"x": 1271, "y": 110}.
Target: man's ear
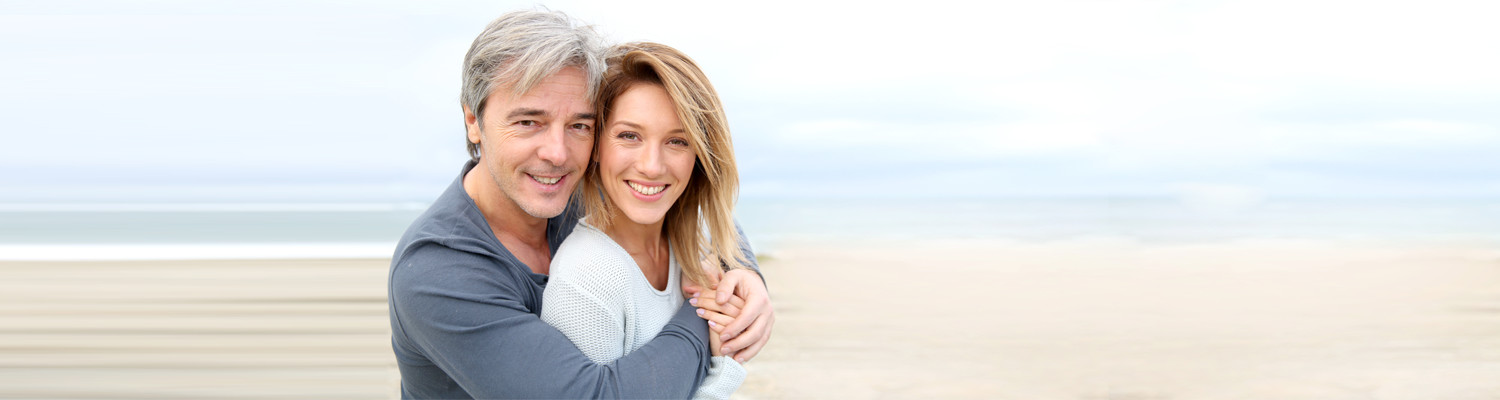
{"x": 471, "y": 125}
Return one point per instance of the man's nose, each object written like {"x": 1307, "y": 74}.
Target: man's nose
{"x": 554, "y": 147}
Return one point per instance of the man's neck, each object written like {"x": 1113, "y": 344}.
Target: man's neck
{"x": 523, "y": 235}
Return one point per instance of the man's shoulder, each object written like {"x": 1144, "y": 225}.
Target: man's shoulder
{"x": 450, "y": 245}
{"x": 451, "y": 227}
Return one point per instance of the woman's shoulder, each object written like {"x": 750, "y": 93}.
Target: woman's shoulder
{"x": 590, "y": 254}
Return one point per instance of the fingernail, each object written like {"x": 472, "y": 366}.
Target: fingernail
{"x": 724, "y": 337}
{"x": 724, "y": 350}
{"x": 700, "y": 313}
{"x": 695, "y": 294}
{"x": 710, "y": 323}
{"x": 740, "y": 360}
{"x": 694, "y": 302}
{"x": 713, "y": 286}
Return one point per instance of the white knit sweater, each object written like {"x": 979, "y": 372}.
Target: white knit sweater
{"x": 598, "y": 297}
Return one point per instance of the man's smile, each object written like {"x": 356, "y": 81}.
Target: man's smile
{"x": 546, "y": 180}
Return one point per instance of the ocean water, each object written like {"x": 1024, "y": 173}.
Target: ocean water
{"x": 1148, "y": 219}
{"x": 208, "y": 231}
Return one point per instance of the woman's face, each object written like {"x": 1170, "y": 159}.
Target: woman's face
{"x": 645, "y": 161}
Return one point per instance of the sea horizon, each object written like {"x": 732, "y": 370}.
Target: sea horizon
{"x": 162, "y": 231}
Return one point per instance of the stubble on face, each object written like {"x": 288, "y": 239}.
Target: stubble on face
{"x": 514, "y": 182}
{"x": 534, "y": 137}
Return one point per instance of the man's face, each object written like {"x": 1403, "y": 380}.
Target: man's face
{"x": 536, "y": 146}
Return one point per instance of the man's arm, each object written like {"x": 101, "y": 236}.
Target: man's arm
{"x": 472, "y": 322}
{"x": 750, "y": 327}
{"x": 747, "y": 251}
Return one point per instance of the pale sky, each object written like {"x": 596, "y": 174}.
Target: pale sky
{"x": 338, "y": 101}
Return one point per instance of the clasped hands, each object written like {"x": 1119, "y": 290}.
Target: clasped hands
{"x": 738, "y": 310}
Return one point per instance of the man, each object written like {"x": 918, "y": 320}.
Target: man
{"x": 467, "y": 278}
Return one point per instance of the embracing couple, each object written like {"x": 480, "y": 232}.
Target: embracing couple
{"x": 588, "y": 248}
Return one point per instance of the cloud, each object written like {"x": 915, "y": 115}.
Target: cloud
{"x": 1284, "y": 97}
{"x": 940, "y": 139}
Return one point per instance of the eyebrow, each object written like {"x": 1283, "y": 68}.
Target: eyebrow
{"x": 532, "y": 112}
{"x": 525, "y": 112}
{"x": 638, "y": 126}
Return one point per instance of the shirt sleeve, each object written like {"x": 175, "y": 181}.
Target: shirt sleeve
{"x": 586, "y": 303}
{"x": 747, "y": 251}
{"x": 724, "y": 377}
{"x": 468, "y": 317}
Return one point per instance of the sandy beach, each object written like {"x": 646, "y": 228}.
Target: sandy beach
{"x": 1077, "y": 319}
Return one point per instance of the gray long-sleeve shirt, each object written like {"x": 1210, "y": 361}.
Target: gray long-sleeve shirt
{"x": 465, "y": 321}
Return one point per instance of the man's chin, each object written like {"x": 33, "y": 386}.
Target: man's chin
{"x": 546, "y": 209}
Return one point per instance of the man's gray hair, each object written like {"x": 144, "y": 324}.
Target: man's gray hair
{"x": 523, "y": 47}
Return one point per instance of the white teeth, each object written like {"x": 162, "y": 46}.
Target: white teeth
{"x": 546, "y": 181}
{"x": 646, "y": 190}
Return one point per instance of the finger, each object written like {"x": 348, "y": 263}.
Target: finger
{"x": 728, "y": 309}
{"x": 751, "y": 337}
{"x": 716, "y": 321}
{"x": 709, "y": 304}
{"x": 747, "y": 315}
{"x": 748, "y": 353}
{"x": 737, "y": 301}
{"x": 727, "y": 286}
{"x": 691, "y": 289}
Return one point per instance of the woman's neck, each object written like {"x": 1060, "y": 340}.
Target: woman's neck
{"x": 646, "y": 244}
{"x": 633, "y": 236}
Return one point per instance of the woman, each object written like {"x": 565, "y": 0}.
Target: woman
{"x": 658, "y": 203}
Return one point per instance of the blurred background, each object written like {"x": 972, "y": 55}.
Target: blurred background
{"x": 285, "y": 145}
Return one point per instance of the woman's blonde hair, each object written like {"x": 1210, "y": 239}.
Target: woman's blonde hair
{"x": 700, "y": 225}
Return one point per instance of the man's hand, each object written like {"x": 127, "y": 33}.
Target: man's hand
{"x": 718, "y": 315}
{"x": 742, "y": 315}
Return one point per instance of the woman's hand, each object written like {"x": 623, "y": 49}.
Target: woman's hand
{"x": 741, "y": 313}
{"x": 718, "y": 315}
{"x": 715, "y": 346}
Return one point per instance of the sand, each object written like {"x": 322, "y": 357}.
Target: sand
{"x": 1083, "y": 319}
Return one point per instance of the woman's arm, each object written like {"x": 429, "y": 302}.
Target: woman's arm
{"x": 725, "y": 375}
{"x": 592, "y": 322}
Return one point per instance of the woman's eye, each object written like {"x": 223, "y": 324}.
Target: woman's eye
{"x": 627, "y": 136}
{"x": 678, "y": 142}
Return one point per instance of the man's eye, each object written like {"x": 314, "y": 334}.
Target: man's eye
{"x": 583, "y": 127}
{"x": 526, "y": 123}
